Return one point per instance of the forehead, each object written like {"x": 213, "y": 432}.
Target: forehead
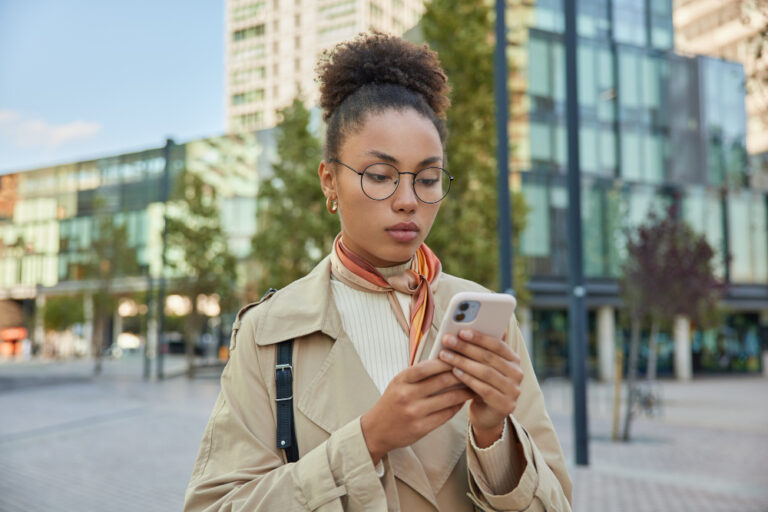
{"x": 406, "y": 135}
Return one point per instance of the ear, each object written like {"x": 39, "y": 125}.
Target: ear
{"x": 327, "y": 180}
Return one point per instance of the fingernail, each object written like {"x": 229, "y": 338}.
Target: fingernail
{"x": 458, "y": 372}
{"x": 445, "y": 354}
{"x": 467, "y": 334}
{"x": 450, "y": 340}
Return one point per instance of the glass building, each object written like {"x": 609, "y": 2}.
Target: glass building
{"x": 655, "y": 128}
{"x": 50, "y": 217}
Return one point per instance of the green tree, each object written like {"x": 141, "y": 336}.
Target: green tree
{"x": 669, "y": 271}
{"x": 295, "y": 230}
{"x": 110, "y": 257}
{"x": 63, "y": 312}
{"x": 198, "y": 253}
{"x": 465, "y": 236}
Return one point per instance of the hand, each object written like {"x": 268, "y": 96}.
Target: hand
{"x": 490, "y": 368}
{"x": 412, "y": 406}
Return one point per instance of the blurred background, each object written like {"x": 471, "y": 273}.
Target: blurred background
{"x": 158, "y": 171}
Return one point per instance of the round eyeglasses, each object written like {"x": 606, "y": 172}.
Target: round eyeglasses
{"x": 380, "y": 180}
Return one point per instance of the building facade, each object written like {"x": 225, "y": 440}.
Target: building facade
{"x": 656, "y": 128}
{"x": 273, "y": 46}
{"x": 50, "y": 217}
{"x": 731, "y": 29}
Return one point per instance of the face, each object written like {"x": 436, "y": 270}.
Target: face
{"x": 389, "y": 231}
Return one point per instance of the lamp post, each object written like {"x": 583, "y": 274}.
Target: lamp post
{"x": 577, "y": 314}
{"x": 165, "y": 193}
{"x": 506, "y": 262}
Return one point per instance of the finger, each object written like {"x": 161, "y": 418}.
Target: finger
{"x": 424, "y": 370}
{"x": 479, "y": 354}
{"x": 437, "y": 383}
{"x": 488, "y": 342}
{"x": 446, "y": 400}
{"x": 503, "y": 402}
{"x": 440, "y": 417}
{"x": 481, "y": 371}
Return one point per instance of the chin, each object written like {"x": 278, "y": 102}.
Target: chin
{"x": 399, "y": 254}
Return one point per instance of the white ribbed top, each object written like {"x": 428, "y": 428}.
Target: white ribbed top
{"x": 369, "y": 321}
{"x": 383, "y": 348}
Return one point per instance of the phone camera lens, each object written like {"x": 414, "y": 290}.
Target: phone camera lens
{"x": 463, "y": 306}
{"x": 459, "y": 317}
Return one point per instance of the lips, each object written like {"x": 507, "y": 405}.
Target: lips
{"x": 404, "y": 231}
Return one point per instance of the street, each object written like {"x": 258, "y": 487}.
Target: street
{"x": 118, "y": 443}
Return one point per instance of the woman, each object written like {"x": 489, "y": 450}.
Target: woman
{"x": 376, "y": 425}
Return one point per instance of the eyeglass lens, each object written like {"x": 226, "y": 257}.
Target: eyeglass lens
{"x": 379, "y": 181}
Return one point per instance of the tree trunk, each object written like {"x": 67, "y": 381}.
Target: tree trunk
{"x": 650, "y": 372}
{"x": 98, "y": 343}
{"x": 189, "y": 342}
{"x": 618, "y": 363}
{"x": 634, "y": 348}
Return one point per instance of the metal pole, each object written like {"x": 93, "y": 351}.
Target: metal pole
{"x": 165, "y": 193}
{"x": 506, "y": 274}
{"x": 146, "y": 373}
{"x": 576, "y": 311}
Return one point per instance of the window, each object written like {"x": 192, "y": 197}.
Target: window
{"x": 297, "y": 42}
{"x": 631, "y": 155}
{"x": 376, "y": 12}
{"x": 246, "y": 54}
{"x": 248, "y": 11}
{"x": 534, "y": 241}
{"x": 248, "y": 121}
{"x": 246, "y": 75}
{"x": 297, "y": 21}
{"x": 248, "y": 97}
{"x": 337, "y": 9}
{"x": 588, "y": 149}
{"x": 247, "y": 33}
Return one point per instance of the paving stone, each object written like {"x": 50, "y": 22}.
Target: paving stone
{"x": 70, "y": 441}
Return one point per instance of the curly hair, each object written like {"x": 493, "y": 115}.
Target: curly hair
{"x": 374, "y": 72}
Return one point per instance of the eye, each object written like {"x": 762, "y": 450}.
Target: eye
{"x": 429, "y": 177}
{"x": 378, "y": 178}
{"x": 427, "y": 182}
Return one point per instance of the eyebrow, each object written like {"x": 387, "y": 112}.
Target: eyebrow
{"x": 392, "y": 160}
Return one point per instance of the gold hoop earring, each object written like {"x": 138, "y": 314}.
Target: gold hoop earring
{"x": 331, "y": 205}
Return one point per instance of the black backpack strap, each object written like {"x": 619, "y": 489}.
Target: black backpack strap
{"x": 286, "y": 431}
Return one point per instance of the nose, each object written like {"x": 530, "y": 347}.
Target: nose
{"x": 404, "y": 199}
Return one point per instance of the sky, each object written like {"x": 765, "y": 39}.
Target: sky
{"x": 82, "y": 79}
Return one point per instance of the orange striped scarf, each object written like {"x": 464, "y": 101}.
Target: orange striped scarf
{"x": 416, "y": 281}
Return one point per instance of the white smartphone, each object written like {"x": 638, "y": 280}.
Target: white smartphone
{"x": 485, "y": 312}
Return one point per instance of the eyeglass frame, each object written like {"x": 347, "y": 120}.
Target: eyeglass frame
{"x": 399, "y": 173}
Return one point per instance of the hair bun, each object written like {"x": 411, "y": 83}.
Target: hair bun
{"x": 378, "y": 58}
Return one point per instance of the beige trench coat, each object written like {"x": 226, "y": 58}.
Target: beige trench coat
{"x": 239, "y": 467}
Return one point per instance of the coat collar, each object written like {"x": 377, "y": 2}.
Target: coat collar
{"x": 301, "y": 308}
{"x": 306, "y": 307}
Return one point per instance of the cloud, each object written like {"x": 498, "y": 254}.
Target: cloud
{"x": 8, "y": 116}
{"x": 29, "y": 132}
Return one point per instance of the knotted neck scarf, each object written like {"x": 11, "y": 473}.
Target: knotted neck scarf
{"x": 417, "y": 281}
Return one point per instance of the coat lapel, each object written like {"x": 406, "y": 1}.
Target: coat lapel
{"x": 342, "y": 374}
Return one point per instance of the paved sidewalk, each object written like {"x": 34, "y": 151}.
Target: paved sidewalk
{"x": 708, "y": 451}
{"x": 69, "y": 442}
{"x": 116, "y": 443}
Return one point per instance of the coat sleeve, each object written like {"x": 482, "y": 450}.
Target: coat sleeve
{"x": 239, "y": 467}
{"x": 544, "y": 484}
